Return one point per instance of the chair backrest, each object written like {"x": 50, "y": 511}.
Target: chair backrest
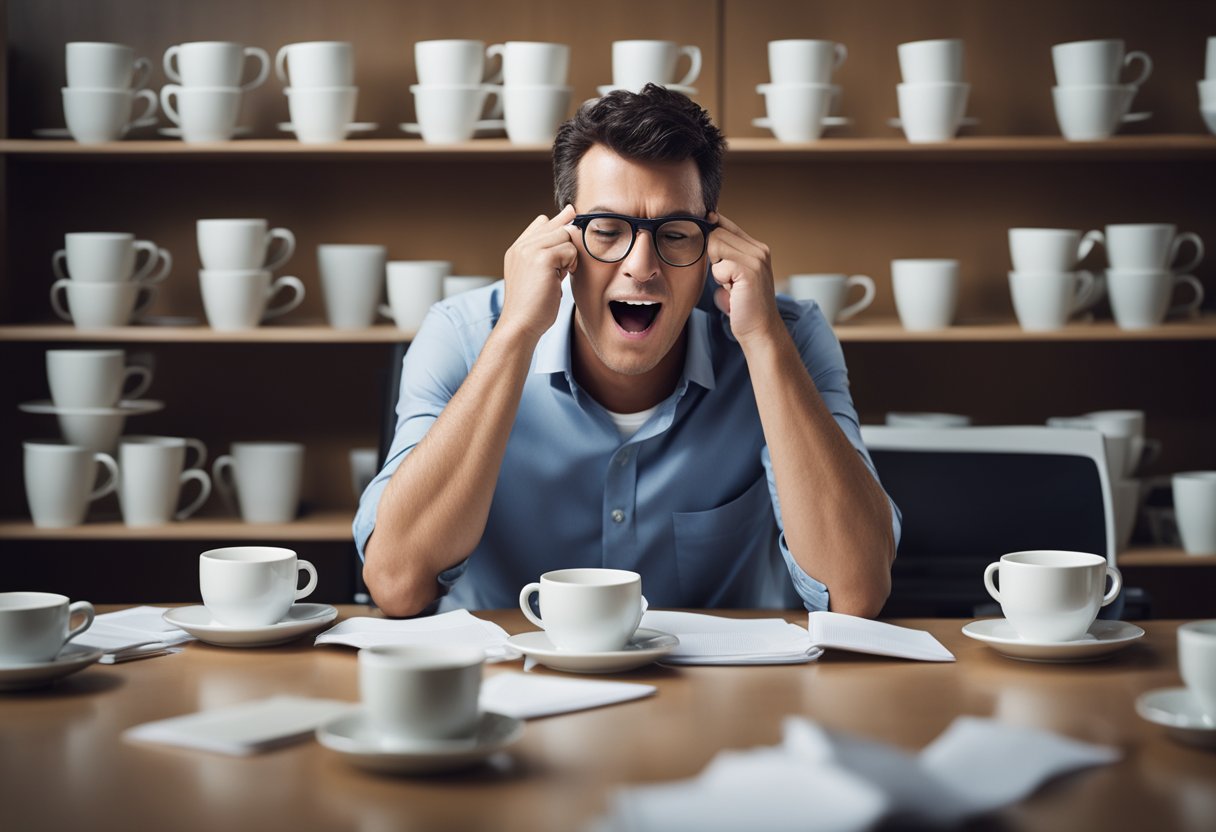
{"x": 969, "y": 495}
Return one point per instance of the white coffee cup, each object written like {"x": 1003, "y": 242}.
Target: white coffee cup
{"x": 932, "y": 112}
{"x": 242, "y": 244}
{"x": 321, "y": 63}
{"x": 93, "y": 378}
{"x": 237, "y": 299}
{"x": 1050, "y": 249}
{"x": 926, "y": 292}
{"x": 321, "y": 114}
{"x": 34, "y": 626}
{"x": 109, "y": 257}
{"x": 533, "y": 113}
{"x": 796, "y": 111}
{"x": 252, "y": 586}
{"x": 448, "y": 114}
{"x": 95, "y": 116}
{"x": 1044, "y": 301}
{"x": 1197, "y": 663}
{"x": 804, "y": 61}
{"x": 214, "y": 64}
{"x": 830, "y": 290}
{"x": 101, "y": 305}
{"x": 1096, "y": 63}
{"x": 636, "y": 63}
{"x": 530, "y": 63}
{"x": 1141, "y": 299}
{"x": 931, "y": 61}
{"x": 1207, "y": 96}
{"x": 587, "y": 610}
{"x": 1130, "y": 423}
{"x": 364, "y": 465}
{"x": 420, "y": 693}
{"x": 261, "y": 480}
{"x": 1195, "y": 511}
{"x": 1123, "y": 447}
{"x": 909, "y": 419}
{"x": 1052, "y": 596}
{"x": 59, "y": 482}
{"x": 205, "y": 114}
{"x": 1150, "y": 247}
{"x": 153, "y": 473}
{"x": 455, "y": 284}
{"x": 452, "y": 62}
{"x": 352, "y": 282}
{"x": 413, "y": 285}
{"x": 1091, "y": 113}
{"x": 105, "y": 66}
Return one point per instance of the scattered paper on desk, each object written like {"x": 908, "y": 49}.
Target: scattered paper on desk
{"x": 716, "y": 639}
{"x": 134, "y": 633}
{"x": 458, "y": 627}
{"x": 863, "y": 635}
{"x": 526, "y": 696}
{"x": 832, "y": 781}
{"x": 244, "y": 729}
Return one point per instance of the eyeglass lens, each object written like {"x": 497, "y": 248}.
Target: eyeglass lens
{"x": 679, "y": 242}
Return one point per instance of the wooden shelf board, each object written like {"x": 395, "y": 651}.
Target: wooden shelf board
{"x": 274, "y": 334}
{"x": 1162, "y": 556}
{"x": 319, "y": 526}
{"x": 264, "y": 149}
{"x": 1199, "y": 328}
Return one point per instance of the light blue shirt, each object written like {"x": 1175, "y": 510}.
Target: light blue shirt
{"x": 688, "y": 501}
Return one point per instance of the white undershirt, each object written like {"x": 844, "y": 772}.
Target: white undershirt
{"x": 628, "y": 423}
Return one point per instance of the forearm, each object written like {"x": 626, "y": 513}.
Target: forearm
{"x": 433, "y": 510}
{"x": 837, "y": 519}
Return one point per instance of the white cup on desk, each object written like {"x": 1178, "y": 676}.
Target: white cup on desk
{"x": 413, "y": 285}
{"x": 587, "y": 610}
{"x": 418, "y": 692}
{"x": 93, "y": 378}
{"x": 34, "y": 626}
{"x": 242, "y": 244}
{"x": 109, "y": 257}
{"x": 105, "y": 66}
{"x": 95, "y": 116}
{"x": 100, "y": 305}
{"x": 636, "y": 63}
{"x": 239, "y": 299}
{"x": 153, "y": 472}
{"x": 261, "y": 480}
{"x": 60, "y": 481}
{"x": 252, "y": 586}
{"x": 215, "y": 64}
{"x": 1195, "y": 511}
{"x": 318, "y": 63}
{"x": 1052, "y": 596}
{"x": 830, "y": 291}
{"x": 352, "y": 283}
{"x": 1197, "y": 663}
{"x": 926, "y": 292}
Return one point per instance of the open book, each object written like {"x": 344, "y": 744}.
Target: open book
{"x": 862, "y": 635}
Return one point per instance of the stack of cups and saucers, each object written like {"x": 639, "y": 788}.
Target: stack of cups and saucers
{"x": 1091, "y": 101}
{"x": 933, "y": 95}
{"x": 535, "y": 96}
{"x": 1143, "y": 272}
{"x": 1046, "y": 286}
{"x": 104, "y": 79}
{"x": 636, "y": 63}
{"x": 236, "y": 279}
{"x": 319, "y": 79}
{"x": 454, "y": 101}
{"x": 204, "y": 100}
{"x": 100, "y": 284}
{"x": 801, "y": 96}
{"x": 1207, "y": 87}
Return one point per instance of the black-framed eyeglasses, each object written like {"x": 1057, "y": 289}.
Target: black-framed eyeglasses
{"x": 678, "y": 240}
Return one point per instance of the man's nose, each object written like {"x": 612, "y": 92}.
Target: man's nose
{"x": 642, "y": 264}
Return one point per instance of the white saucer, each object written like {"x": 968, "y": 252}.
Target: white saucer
{"x": 126, "y": 407}
{"x": 53, "y": 133}
{"x": 301, "y": 619}
{"x": 1132, "y": 118}
{"x": 353, "y": 127}
{"x": 1104, "y": 637}
{"x": 1177, "y": 710}
{"x": 351, "y": 737}
{"x": 487, "y": 128}
{"x": 967, "y": 121}
{"x": 71, "y": 658}
{"x": 644, "y": 647}
{"x": 176, "y": 132}
{"x": 828, "y": 121}
{"x": 607, "y": 88}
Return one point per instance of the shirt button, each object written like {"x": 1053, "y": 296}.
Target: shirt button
{"x": 623, "y": 459}
{"x": 618, "y": 516}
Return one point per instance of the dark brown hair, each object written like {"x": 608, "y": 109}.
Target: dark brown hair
{"x": 654, "y": 125}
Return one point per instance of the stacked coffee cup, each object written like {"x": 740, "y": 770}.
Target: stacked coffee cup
{"x": 98, "y": 277}
{"x": 104, "y": 79}
{"x": 321, "y": 92}
{"x": 798, "y": 100}
{"x": 452, "y": 90}
{"x": 1045, "y": 285}
{"x": 1207, "y": 88}
{"x": 1090, "y": 99}
{"x": 636, "y": 63}
{"x": 236, "y": 280}
{"x": 1143, "y": 274}
{"x": 535, "y": 97}
{"x": 933, "y": 96}
{"x": 205, "y": 101}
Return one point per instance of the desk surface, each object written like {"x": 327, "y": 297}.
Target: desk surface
{"x": 63, "y": 764}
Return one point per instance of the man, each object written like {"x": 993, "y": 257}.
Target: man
{"x": 633, "y": 395}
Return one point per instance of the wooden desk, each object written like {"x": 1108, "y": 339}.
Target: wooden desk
{"x": 63, "y": 765}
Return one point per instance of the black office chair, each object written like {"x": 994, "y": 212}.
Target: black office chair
{"x": 970, "y": 495}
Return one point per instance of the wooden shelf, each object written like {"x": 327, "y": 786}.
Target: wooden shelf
{"x": 274, "y": 334}
{"x": 893, "y": 148}
{"x": 319, "y": 526}
{"x": 882, "y": 330}
{"x": 1162, "y": 556}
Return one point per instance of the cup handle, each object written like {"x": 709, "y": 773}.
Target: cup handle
{"x": 143, "y": 71}
{"x": 525, "y": 603}
{"x": 1116, "y": 584}
{"x": 312, "y": 578}
{"x": 1191, "y": 306}
{"x": 198, "y": 447}
{"x": 280, "y": 65}
{"x": 495, "y": 92}
{"x": 155, "y": 254}
{"x": 59, "y": 264}
{"x": 111, "y": 483}
{"x": 167, "y": 92}
{"x": 989, "y": 573}
{"x": 387, "y": 311}
{"x": 148, "y": 117}
{"x": 204, "y": 483}
{"x": 83, "y": 608}
{"x": 1091, "y": 239}
{"x": 289, "y": 248}
{"x": 288, "y": 282}
{"x": 867, "y": 297}
{"x": 263, "y": 66}
{"x": 170, "y": 71}
{"x": 1146, "y": 69}
{"x": 1083, "y": 290}
{"x": 842, "y": 54}
{"x": 141, "y": 306}
{"x": 694, "y": 57}
{"x": 496, "y": 50}
{"x": 1178, "y": 243}
{"x": 144, "y": 374}
{"x": 225, "y": 485}
{"x": 60, "y": 309}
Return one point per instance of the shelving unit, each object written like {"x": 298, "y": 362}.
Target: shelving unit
{"x": 317, "y": 527}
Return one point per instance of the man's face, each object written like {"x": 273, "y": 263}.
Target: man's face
{"x": 632, "y": 313}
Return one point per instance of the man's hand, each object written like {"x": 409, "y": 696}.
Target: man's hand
{"x": 533, "y": 269}
{"x": 744, "y": 272}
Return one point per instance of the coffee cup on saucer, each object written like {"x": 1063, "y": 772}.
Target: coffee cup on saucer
{"x": 34, "y": 626}
{"x": 421, "y": 693}
{"x": 1050, "y": 595}
{"x": 252, "y": 586}
{"x": 587, "y": 610}
{"x": 1197, "y": 663}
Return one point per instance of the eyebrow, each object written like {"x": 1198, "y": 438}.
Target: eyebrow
{"x": 679, "y": 212}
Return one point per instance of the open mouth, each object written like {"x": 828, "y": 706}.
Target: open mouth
{"x": 635, "y": 316}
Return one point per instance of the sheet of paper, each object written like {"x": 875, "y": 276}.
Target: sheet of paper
{"x": 716, "y": 639}
{"x": 835, "y": 630}
{"x": 134, "y": 633}
{"x": 526, "y": 696}
{"x": 458, "y": 627}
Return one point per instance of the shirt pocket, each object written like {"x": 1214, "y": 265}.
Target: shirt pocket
{"x": 720, "y": 553}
